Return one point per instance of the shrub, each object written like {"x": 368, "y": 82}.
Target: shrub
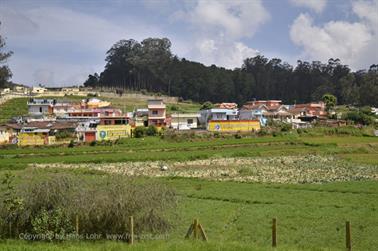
{"x": 139, "y": 131}
{"x": 263, "y": 132}
{"x": 207, "y": 105}
{"x": 51, "y": 202}
{"x": 151, "y": 130}
{"x": 359, "y": 117}
{"x": 71, "y": 144}
{"x": 285, "y": 127}
{"x": 93, "y": 143}
{"x": 53, "y": 224}
{"x": 175, "y": 108}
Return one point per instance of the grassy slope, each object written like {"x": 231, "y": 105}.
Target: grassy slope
{"x": 12, "y": 108}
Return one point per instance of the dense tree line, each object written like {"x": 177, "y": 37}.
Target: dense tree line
{"x": 151, "y": 66}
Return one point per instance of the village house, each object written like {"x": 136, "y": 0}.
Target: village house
{"x": 42, "y": 132}
{"x": 264, "y": 110}
{"x": 86, "y": 130}
{"x": 41, "y": 106}
{"x": 156, "y": 112}
{"x": 233, "y": 126}
{"x": 308, "y": 112}
{"x": 4, "y": 135}
{"x": 184, "y": 121}
{"x": 113, "y": 128}
{"x": 19, "y": 89}
{"x": 71, "y": 90}
{"x": 217, "y": 114}
{"x": 140, "y": 117}
{"x": 38, "y": 90}
{"x": 253, "y": 112}
{"x": 5, "y": 91}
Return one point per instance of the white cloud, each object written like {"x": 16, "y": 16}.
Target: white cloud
{"x": 53, "y": 39}
{"x": 354, "y": 43}
{"x": 315, "y": 5}
{"x": 224, "y": 53}
{"x": 219, "y": 26}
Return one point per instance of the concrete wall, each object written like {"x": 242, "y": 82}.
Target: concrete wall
{"x": 112, "y": 132}
{"x": 234, "y": 126}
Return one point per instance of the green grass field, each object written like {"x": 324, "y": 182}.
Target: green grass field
{"x": 235, "y": 215}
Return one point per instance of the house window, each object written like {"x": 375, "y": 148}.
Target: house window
{"x": 108, "y": 122}
{"x": 190, "y": 121}
{"x": 40, "y": 109}
{"x": 154, "y": 112}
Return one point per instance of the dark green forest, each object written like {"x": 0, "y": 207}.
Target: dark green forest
{"x": 150, "y": 65}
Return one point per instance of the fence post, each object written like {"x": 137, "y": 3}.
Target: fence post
{"x": 348, "y": 239}
{"x": 77, "y": 224}
{"x": 274, "y": 232}
{"x": 131, "y": 230}
{"x": 195, "y": 226}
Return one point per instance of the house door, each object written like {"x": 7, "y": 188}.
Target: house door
{"x": 90, "y": 136}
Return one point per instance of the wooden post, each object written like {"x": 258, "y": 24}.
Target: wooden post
{"x": 348, "y": 239}
{"x": 77, "y": 224}
{"x": 274, "y": 232}
{"x": 195, "y": 228}
{"x": 131, "y": 230}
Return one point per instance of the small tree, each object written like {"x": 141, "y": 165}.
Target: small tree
{"x": 330, "y": 101}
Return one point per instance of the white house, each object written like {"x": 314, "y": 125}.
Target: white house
{"x": 38, "y": 90}
{"x": 5, "y": 91}
{"x": 4, "y": 135}
{"x": 217, "y": 114}
{"x": 41, "y": 106}
{"x": 184, "y": 121}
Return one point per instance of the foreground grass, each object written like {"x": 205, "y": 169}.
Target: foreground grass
{"x": 184, "y": 245}
{"x": 237, "y": 216}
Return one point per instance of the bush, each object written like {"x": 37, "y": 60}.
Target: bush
{"x": 93, "y": 143}
{"x": 51, "y": 202}
{"x": 71, "y": 144}
{"x": 139, "y": 131}
{"x": 285, "y": 127}
{"x": 207, "y": 105}
{"x": 52, "y": 225}
{"x": 175, "y": 108}
{"x": 151, "y": 130}
{"x": 359, "y": 117}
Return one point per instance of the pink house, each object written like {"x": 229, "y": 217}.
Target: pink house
{"x": 156, "y": 112}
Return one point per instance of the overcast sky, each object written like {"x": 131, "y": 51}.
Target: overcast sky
{"x": 58, "y": 42}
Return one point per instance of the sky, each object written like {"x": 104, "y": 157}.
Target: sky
{"x": 61, "y": 42}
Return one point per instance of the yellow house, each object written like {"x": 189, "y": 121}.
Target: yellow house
{"x": 112, "y": 132}
{"x": 33, "y": 137}
{"x": 233, "y": 125}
